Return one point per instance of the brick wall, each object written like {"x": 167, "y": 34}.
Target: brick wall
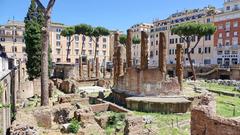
{"x": 204, "y": 124}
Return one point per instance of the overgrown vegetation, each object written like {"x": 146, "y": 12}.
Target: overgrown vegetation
{"x": 115, "y": 124}
{"x": 74, "y": 126}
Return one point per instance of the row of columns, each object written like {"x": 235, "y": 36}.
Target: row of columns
{"x": 89, "y": 68}
{"x": 118, "y": 63}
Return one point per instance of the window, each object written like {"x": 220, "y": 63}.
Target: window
{"x": 176, "y": 40}
{"x": 58, "y": 37}
{"x": 90, "y": 52}
{"x": 227, "y": 52}
{"x": 234, "y": 52}
{"x": 207, "y": 37}
{"x": 156, "y": 42}
{"x": 58, "y": 51}
{"x": 235, "y": 24}
{"x": 58, "y": 43}
{"x": 234, "y": 61}
{"x": 151, "y": 54}
{"x": 219, "y": 61}
{"x": 156, "y": 35}
{"x": 227, "y": 43}
{"x": 235, "y": 34}
{"x": 219, "y": 52}
{"x": 68, "y": 60}
{"x": 152, "y": 43}
{"x": 220, "y": 35}
{"x": 207, "y": 61}
{"x": 58, "y": 60}
{"x": 220, "y": 27}
{"x": 76, "y": 52}
{"x": 228, "y": 8}
{"x": 193, "y": 38}
{"x": 227, "y": 34}
{"x": 14, "y": 49}
{"x": 228, "y": 24}
{"x": 76, "y": 60}
{"x": 58, "y": 30}
{"x": 104, "y": 40}
{"x": 97, "y": 52}
{"x": 208, "y": 20}
{"x": 199, "y": 50}
{"x": 104, "y": 52}
{"x": 171, "y": 41}
{"x": 76, "y": 38}
{"x": 156, "y": 53}
{"x": 104, "y": 46}
{"x": 76, "y": 45}
{"x": 68, "y": 51}
{"x": 170, "y": 52}
{"x": 83, "y": 52}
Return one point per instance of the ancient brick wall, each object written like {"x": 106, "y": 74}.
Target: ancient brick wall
{"x": 148, "y": 82}
{"x": 204, "y": 124}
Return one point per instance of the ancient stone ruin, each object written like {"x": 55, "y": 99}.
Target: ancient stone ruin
{"x": 205, "y": 122}
{"x": 143, "y": 81}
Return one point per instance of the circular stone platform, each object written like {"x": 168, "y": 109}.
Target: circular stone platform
{"x": 175, "y": 104}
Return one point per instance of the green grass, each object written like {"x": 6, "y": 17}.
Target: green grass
{"x": 162, "y": 123}
{"x": 225, "y": 106}
{"x": 219, "y": 87}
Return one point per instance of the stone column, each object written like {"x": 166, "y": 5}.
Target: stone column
{"x": 89, "y": 69}
{"x": 80, "y": 68}
{"x": 128, "y": 48}
{"x": 97, "y": 67}
{"x": 162, "y": 53}
{"x": 115, "y": 59}
{"x": 144, "y": 50}
{"x": 179, "y": 64}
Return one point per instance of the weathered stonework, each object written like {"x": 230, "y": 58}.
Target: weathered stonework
{"x": 205, "y": 122}
{"x": 179, "y": 64}
{"x": 97, "y": 67}
{"x": 128, "y": 48}
{"x": 80, "y": 68}
{"x": 89, "y": 69}
{"x": 162, "y": 53}
{"x": 144, "y": 50}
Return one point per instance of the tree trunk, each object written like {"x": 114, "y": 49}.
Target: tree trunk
{"x": 191, "y": 65}
{"x": 44, "y": 63}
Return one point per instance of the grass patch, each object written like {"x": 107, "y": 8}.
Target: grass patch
{"x": 74, "y": 126}
{"x": 166, "y": 124}
{"x": 219, "y": 87}
{"x": 225, "y": 106}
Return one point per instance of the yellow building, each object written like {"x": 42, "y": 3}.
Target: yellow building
{"x": 79, "y": 46}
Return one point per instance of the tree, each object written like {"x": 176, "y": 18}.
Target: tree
{"x": 68, "y": 32}
{"x": 32, "y": 38}
{"x": 45, "y": 49}
{"x": 123, "y": 39}
{"x": 97, "y": 33}
{"x": 136, "y": 40}
{"x": 188, "y": 32}
{"x": 84, "y": 30}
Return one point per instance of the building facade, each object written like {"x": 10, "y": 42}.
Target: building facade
{"x": 65, "y": 52}
{"x": 227, "y": 36}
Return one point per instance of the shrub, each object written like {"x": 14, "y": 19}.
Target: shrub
{"x": 74, "y": 126}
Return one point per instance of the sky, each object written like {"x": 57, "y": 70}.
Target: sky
{"x": 112, "y": 14}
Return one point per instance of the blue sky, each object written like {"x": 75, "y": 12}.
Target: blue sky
{"x": 113, "y": 14}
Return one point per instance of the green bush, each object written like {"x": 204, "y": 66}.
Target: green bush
{"x": 74, "y": 126}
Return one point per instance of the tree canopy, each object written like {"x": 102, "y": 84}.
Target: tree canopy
{"x": 194, "y": 29}
{"x": 136, "y": 40}
{"x": 84, "y": 29}
{"x": 68, "y": 31}
{"x": 123, "y": 39}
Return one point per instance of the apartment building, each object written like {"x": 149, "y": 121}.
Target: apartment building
{"x": 65, "y": 52}
{"x": 227, "y": 36}
{"x": 12, "y": 39}
{"x": 136, "y": 48}
{"x": 202, "y": 54}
